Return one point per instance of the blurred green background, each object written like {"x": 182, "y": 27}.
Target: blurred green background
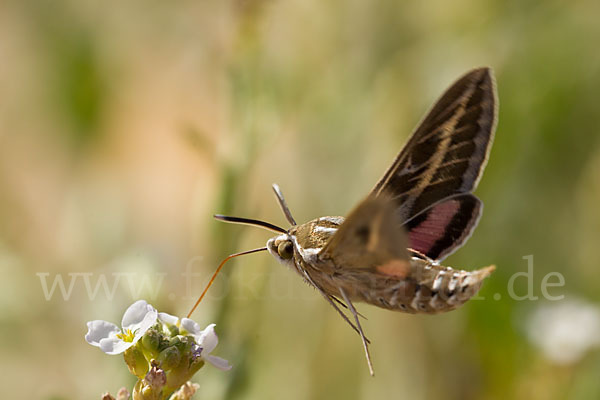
{"x": 124, "y": 126}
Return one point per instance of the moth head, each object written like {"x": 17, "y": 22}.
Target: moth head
{"x": 282, "y": 248}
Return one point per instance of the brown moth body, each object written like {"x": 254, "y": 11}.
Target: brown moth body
{"x": 415, "y": 285}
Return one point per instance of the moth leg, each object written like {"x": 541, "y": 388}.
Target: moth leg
{"x": 328, "y": 298}
{"x": 341, "y": 303}
{"x": 362, "y": 335}
{"x": 356, "y": 329}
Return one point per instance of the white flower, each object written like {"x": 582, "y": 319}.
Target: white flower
{"x": 565, "y": 331}
{"x": 168, "y": 319}
{"x": 206, "y": 340}
{"x": 138, "y": 318}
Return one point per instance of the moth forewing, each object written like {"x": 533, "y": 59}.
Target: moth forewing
{"x": 459, "y": 127}
{"x": 446, "y": 154}
{"x": 371, "y": 235}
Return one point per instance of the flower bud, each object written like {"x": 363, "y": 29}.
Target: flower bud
{"x": 173, "y": 330}
{"x": 175, "y": 341}
{"x": 184, "y": 371}
{"x": 151, "y": 340}
{"x": 169, "y": 358}
{"x": 143, "y": 391}
{"x": 136, "y": 362}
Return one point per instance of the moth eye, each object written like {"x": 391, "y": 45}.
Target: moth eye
{"x": 285, "y": 250}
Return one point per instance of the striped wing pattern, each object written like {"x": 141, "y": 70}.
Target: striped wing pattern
{"x": 443, "y": 158}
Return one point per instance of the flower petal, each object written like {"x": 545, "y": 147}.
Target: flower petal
{"x": 114, "y": 345}
{"x": 191, "y": 327}
{"x": 138, "y": 314}
{"x": 208, "y": 339}
{"x": 168, "y": 318}
{"x": 144, "y": 326}
{"x": 218, "y": 362}
{"x": 98, "y": 330}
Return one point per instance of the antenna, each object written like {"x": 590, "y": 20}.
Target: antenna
{"x": 283, "y": 205}
{"x": 249, "y": 221}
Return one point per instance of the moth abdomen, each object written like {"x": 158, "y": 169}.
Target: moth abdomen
{"x": 430, "y": 289}
{"x": 443, "y": 289}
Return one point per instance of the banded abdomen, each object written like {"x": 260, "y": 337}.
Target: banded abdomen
{"x": 429, "y": 288}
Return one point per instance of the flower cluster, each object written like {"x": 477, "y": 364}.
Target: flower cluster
{"x": 161, "y": 350}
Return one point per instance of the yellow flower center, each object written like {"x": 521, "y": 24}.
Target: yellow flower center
{"x": 126, "y": 336}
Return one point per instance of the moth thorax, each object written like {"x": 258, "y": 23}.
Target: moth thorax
{"x": 281, "y": 247}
